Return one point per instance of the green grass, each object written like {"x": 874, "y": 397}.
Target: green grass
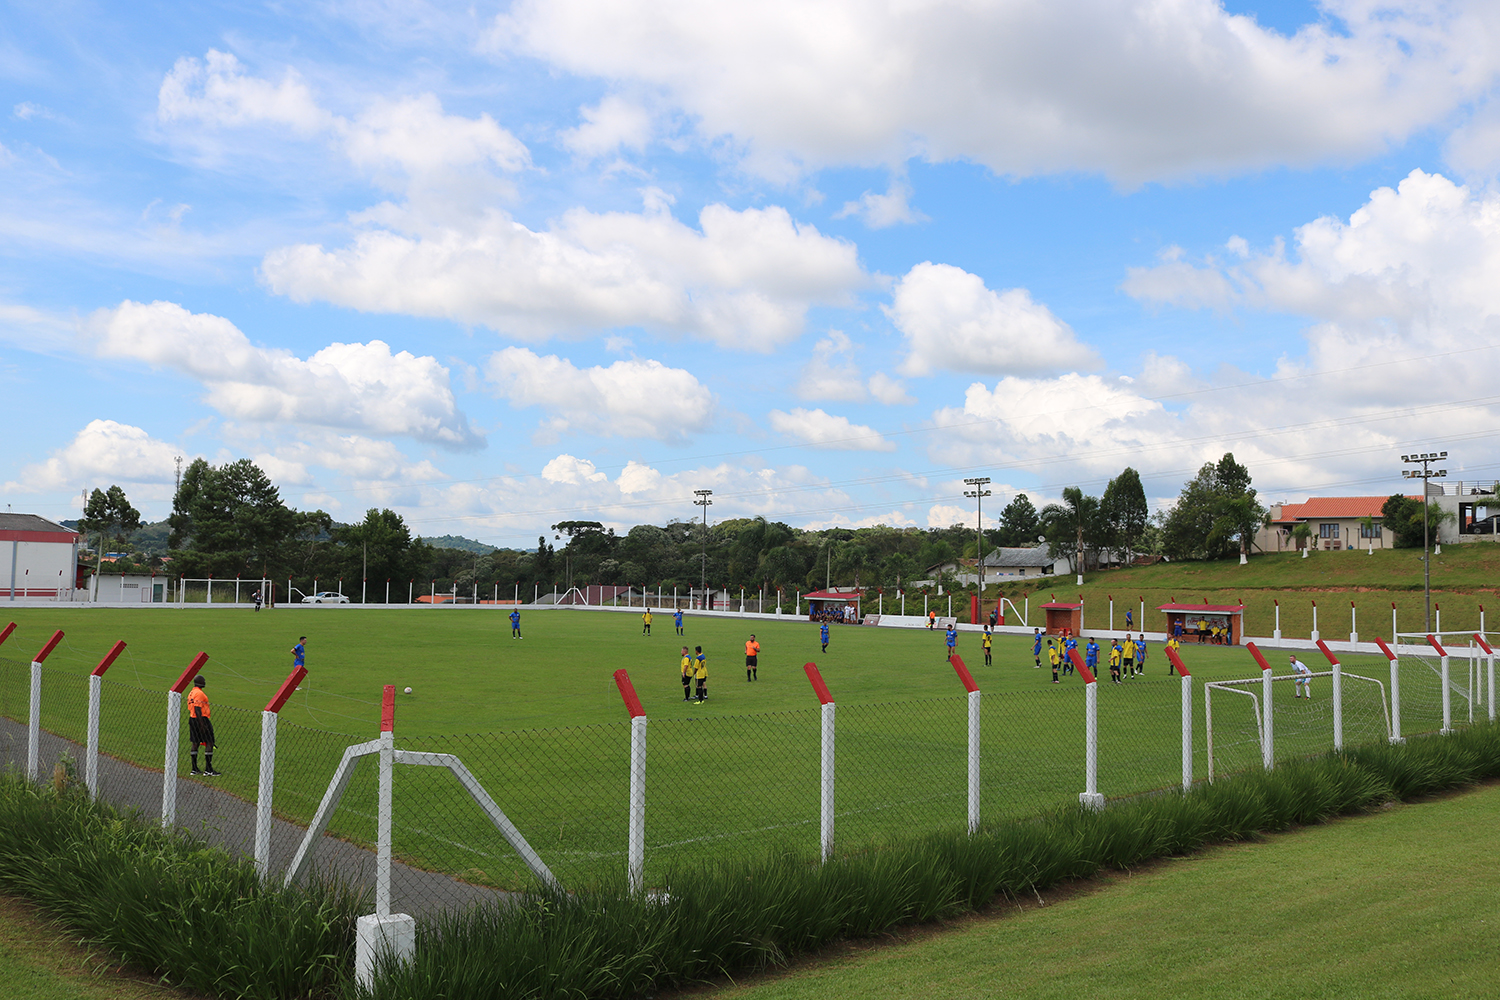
{"x": 1398, "y": 904}
{"x": 550, "y": 740}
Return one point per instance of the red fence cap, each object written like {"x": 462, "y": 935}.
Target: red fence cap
{"x": 46, "y": 651}
{"x": 1482, "y": 644}
{"x": 1384, "y": 648}
{"x": 1328, "y": 652}
{"x": 1176, "y": 662}
{"x": 287, "y": 687}
{"x": 627, "y": 691}
{"x": 189, "y": 673}
{"x": 1081, "y": 667}
{"x": 963, "y": 673}
{"x": 1437, "y": 645}
{"x": 388, "y": 709}
{"x": 109, "y": 658}
{"x": 825, "y": 697}
{"x": 1258, "y": 657}
{"x": 5, "y": 632}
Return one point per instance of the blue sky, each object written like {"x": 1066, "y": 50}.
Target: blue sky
{"x": 501, "y": 265}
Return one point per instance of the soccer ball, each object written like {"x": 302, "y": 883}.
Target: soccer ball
{"x": 408, "y": 690}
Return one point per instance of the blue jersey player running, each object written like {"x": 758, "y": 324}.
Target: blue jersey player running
{"x": 823, "y": 634}
{"x": 952, "y": 639}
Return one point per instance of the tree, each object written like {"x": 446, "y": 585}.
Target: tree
{"x": 379, "y": 546}
{"x": 1215, "y": 514}
{"x": 229, "y": 519}
{"x": 1073, "y": 526}
{"x": 110, "y": 514}
{"x": 1019, "y": 522}
{"x": 1124, "y": 512}
{"x": 1403, "y": 516}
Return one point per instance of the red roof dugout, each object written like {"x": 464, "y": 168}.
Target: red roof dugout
{"x": 1061, "y": 616}
{"x": 1198, "y": 621}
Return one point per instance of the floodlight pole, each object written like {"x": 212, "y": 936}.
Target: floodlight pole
{"x": 1423, "y": 458}
{"x": 704, "y": 502}
{"x": 978, "y": 493}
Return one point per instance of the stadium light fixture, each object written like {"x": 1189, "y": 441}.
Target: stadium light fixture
{"x": 1425, "y": 459}
{"x": 977, "y": 494}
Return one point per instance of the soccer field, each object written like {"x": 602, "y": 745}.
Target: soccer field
{"x": 541, "y": 724}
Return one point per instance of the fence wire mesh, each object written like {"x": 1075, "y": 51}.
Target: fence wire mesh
{"x": 717, "y": 788}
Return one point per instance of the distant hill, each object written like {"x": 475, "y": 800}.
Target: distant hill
{"x": 458, "y": 542}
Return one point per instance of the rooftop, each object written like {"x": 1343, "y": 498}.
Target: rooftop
{"x": 1332, "y": 507}
{"x": 30, "y": 522}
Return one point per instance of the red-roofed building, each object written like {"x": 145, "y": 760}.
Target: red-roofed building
{"x": 1337, "y": 523}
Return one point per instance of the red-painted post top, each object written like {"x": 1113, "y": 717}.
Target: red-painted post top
{"x": 1081, "y": 667}
{"x": 963, "y": 673}
{"x": 825, "y": 697}
{"x": 1258, "y": 657}
{"x": 109, "y": 658}
{"x": 1328, "y": 652}
{"x": 1384, "y": 648}
{"x": 1176, "y": 662}
{"x": 41, "y": 657}
{"x": 627, "y": 691}
{"x": 1482, "y": 644}
{"x": 388, "y": 709}
{"x": 189, "y": 673}
{"x": 1437, "y": 646}
{"x": 5, "y": 632}
{"x": 285, "y": 691}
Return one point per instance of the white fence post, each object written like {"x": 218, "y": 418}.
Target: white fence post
{"x": 1338, "y": 695}
{"x": 34, "y": 728}
{"x": 96, "y": 684}
{"x": 636, "y": 847}
{"x": 266, "y": 792}
{"x": 1489, "y": 654}
{"x": 1396, "y": 736}
{"x": 1090, "y": 797}
{"x": 1447, "y": 694}
{"x": 383, "y": 931}
{"x": 1267, "y": 738}
{"x": 1187, "y": 716}
{"x": 825, "y": 699}
{"x": 1315, "y": 621}
{"x": 973, "y": 689}
{"x": 174, "y": 733}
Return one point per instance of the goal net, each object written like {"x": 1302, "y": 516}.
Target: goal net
{"x": 1421, "y": 675}
{"x": 1305, "y": 720}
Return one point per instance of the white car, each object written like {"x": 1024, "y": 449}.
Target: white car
{"x": 326, "y": 597}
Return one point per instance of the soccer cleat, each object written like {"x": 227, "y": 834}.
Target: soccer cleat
{"x": 195, "y": 771}
{"x": 212, "y": 774}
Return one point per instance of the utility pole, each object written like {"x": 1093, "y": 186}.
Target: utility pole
{"x": 704, "y": 502}
{"x": 1423, "y": 459}
{"x": 978, "y": 493}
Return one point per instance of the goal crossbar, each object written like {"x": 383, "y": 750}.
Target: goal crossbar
{"x": 1234, "y": 685}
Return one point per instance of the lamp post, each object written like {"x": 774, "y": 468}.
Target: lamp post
{"x": 1423, "y": 458}
{"x": 978, "y": 493}
{"x": 704, "y": 502}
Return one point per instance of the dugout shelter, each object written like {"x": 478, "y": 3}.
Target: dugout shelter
{"x": 1064, "y": 616}
{"x": 830, "y": 605}
{"x": 1199, "y": 620}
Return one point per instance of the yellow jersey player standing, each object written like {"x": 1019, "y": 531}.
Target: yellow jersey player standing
{"x": 687, "y": 675}
{"x": 646, "y": 622}
{"x": 700, "y": 673}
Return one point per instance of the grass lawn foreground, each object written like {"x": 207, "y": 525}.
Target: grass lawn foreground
{"x": 1402, "y": 903}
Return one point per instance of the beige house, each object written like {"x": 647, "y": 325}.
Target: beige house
{"x": 1337, "y": 523}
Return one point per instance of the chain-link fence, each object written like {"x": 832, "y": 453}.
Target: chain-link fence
{"x": 716, "y": 788}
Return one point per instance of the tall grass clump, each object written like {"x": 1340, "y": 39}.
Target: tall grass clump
{"x": 166, "y": 903}
{"x": 707, "y": 921}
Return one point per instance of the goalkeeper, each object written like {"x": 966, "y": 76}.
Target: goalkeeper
{"x": 1304, "y": 677}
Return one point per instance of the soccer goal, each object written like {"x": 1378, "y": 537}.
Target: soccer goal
{"x": 1252, "y": 721}
{"x": 1446, "y": 678}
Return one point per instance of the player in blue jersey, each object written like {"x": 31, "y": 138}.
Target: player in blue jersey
{"x": 823, "y": 634}
{"x": 952, "y": 639}
{"x": 515, "y": 624}
{"x": 1036, "y": 647}
{"x": 677, "y": 620}
{"x": 1091, "y": 657}
{"x": 299, "y": 652}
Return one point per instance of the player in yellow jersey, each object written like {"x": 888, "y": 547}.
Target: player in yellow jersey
{"x": 1127, "y": 656}
{"x": 700, "y": 673}
{"x": 987, "y": 643}
{"x": 687, "y": 675}
{"x": 1115, "y": 652}
{"x": 1054, "y": 655}
{"x": 646, "y": 622}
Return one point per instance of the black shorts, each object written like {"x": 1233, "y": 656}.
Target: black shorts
{"x": 750, "y": 661}
{"x": 200, "y": 731}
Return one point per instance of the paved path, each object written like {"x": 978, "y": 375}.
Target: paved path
{"x": 229, "y": 822}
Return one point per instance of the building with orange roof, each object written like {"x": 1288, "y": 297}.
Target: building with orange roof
{"x": 1337, "y": 523}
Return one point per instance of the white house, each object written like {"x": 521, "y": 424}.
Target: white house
{"x": 37, "y": 558}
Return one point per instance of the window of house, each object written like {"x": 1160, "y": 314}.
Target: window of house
{"x": 1370, "y": 531}
{"x": 1328, "y": 530}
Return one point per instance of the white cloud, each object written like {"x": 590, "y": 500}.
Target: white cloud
{"x": 632, "y": 399}
{"x": 826, "y": 431}
{"x": 571, "y": 470}
{"x": 102, "y": 453}
{"x": 607, "y": 126}
{"x": 412, "y": 134}
{"x": 881, "y": 210}
{"x": 364, "y": 460}
{"x": 356, "y": 386}
{"x": 831, "y": 372}
{"x": 26, "y": 111}
{"x": 944, "y": 515}
{"x": 745, "y": 279}
{"x": 890, "y": 391}
{"x": 1137, "y": 90}
{"x": 951, "y": 320}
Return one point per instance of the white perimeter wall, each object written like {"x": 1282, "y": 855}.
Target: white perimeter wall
{"x": 37, "y": 566}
